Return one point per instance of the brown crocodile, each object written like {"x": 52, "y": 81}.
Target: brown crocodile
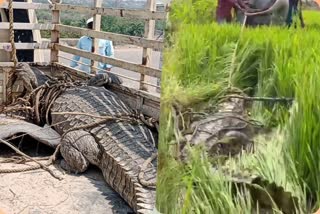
{"x": 100, "y": 129}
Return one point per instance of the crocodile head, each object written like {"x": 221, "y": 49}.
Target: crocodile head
{"x": 104, "y": 79}
{"x": 232, "y": 143}
{"x": 24, "y": 80}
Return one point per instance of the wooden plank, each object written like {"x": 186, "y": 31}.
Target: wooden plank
{"x": 127, "y": 13}
{"x": 55, "y": 35}
{"x": 149, "y": 28}
{"x": 10, "y": 64}
{"x": 163, "y": 8}
{"x": 131, "y": 40}
{"x": 3, "y": 81}
{"x": 73, "y": 42}
{"x": 38, "y": 52}
{"x": 68, "y": 41}
{"x": 115, "y": 62}
{"x": 96, "y": 27}
{"x": 26, "y": 26}
{"x": 25, "y": 5}
{"x": 115, "y": 73}
{"x": 150, "y": 105}
{"x": 76, "y": 72}
{"x": 27, "y": 46}
{"x": 83, "y": 75}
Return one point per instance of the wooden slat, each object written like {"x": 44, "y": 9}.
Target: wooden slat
{"x": 55, "y": 34}
{"x": 96, "y": 27}
{"x": 115, "y": 62}
{"x": 149, "y": 28}
{"x": 25, "y": 5}
{"x": 131, "y": 40}
{"x": 83, "y": 75}
{"x": 147, "y": 103}
{"x": 76, "y": 72}
{"x": 27, "y": 46}
{"x": 26, "y": 26}
{"x": 68, "y": 41}
{"x": 115, "y": 73}
{"x": 6, "y": 64}
{"x": 10, "y": 64}
{"x": 127, "y": 13}
{"x": 161, "y": 53}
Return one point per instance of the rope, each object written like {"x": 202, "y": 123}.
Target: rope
{"x": 25, "y": 169}
{"x": 141, "y": 178}
{"x": 13, "y": 51}
{"x": 40, "y": 165}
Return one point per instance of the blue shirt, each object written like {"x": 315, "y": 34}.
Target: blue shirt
{"x": 85, "y": 43}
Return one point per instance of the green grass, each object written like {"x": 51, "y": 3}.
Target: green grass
{"x": 204, "y": 60}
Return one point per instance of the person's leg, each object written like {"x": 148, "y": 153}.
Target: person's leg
{"x": 298, "y": 11}
{"x": 223, "y": 11}
{"x": 290, "y": 13}
{"x": 294, "y": 11}
{"x": 221, "y": 20}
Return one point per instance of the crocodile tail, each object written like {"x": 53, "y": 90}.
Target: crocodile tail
{"x": 122, "y": 161}
{"x": 264, "y": 192}
{"x": 123, "y": 179}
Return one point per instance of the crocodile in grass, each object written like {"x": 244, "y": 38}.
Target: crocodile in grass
{"x": 224, "y": 132}
{"x": 227, "y": 132}
{"x": 119, "y": 149}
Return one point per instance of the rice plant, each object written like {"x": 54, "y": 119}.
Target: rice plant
{"x": 204, "y": 60}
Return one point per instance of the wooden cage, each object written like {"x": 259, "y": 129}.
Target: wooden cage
{"x": 138, "y": 98}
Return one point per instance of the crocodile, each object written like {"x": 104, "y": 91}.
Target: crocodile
{"x": 97, "y": 128}
{"x": 226, "y": 132}
{"x": 121, "y": 149}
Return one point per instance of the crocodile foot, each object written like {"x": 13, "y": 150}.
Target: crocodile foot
{"x": 79, "y": 149}
{"x": 63, "y": 164}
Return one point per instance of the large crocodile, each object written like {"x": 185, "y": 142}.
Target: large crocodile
{"x": 224, "y": 133}
{"x": 119, "y": 148}
{"x": 98, "y": 128}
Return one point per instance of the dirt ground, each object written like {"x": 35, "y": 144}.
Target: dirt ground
{"x": 37, "y": 192}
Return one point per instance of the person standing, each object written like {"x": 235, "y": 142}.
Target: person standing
{"x": 85, "y": 43}
{"x": 224, "y": 9}
{"x": 294, "y": 11}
